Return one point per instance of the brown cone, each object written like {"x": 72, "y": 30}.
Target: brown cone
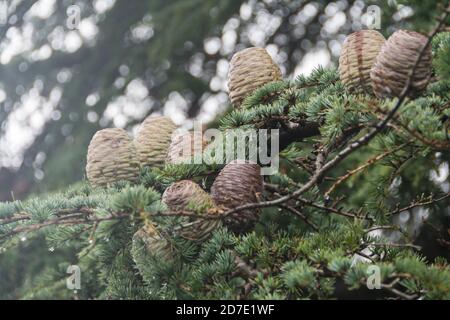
{"x": 186, "y": 195}
{"x": 111, "y": 157}
{"x": 358, "y": 55}
{"x": 153, "y": 140}
{"x": 155, "y": 245}
{"x": 397, "y": 57}
{"x": 250, "y": 69}
{"x": 237, "y": 184}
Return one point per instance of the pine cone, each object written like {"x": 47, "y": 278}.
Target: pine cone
{"x": 358, "y": 54}
{"x": 250, "y": 69}
{"x": 153, "y": 140}
{"x": 111, "y": 157}
{"x": 155, "y": 245}
{"x": 397, "y": 57}
{"x": 185, "y": 146}
{"x": 186, "y": 195}
{"x": 237, "y": 184}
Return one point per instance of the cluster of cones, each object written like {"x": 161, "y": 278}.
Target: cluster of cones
{"x": 239, "y": 183}
{"x": 113, "y": 156}
{"x": 369, "y": 63}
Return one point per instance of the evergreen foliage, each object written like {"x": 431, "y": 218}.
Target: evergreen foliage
{"x": 292, "y": 254}
{"x": 384, "y": 206}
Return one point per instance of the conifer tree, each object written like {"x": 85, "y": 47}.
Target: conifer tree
{"x": 359, "y": 201}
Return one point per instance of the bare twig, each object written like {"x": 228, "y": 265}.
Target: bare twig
{"x": 362, "y": 167}
{"x": 63, "y": 221}
{"x": 395, "y": 245}
{"x": 330, "y": 209}
{"x": 14, "y": 218}
{"x": 422, "y": 202}
{"x": 388, "y": 227}
{"x": 391, "y": 289}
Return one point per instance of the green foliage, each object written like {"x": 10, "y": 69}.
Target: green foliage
{"x": 136, "y": 200}
{"x": 441, "y": 59}
{"x": 283, "y": 257}
{"x": 318, "y": 246}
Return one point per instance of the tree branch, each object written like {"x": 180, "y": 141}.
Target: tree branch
{"x": 322, "y": 169}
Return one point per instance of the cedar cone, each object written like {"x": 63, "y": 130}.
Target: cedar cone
{"x": 153, "y": 140}
{"x": 186, "y": 195}
{"x": 185, "y": 146}
{"x": 237, "y": 184}
{"x": 250, "y": 69}
{"x": 397, "y": 57}
{"x": 359, "y": 52}
{"x": 154, "y": 243}
{"x": 111, "y": 157}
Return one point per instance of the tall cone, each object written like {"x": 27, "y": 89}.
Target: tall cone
{"x": 153, "y": 140}
{"x": 250, "y": 69}
{"x": 358, "y": 55}
{"x": 111, "y": 157}
{"x": 399, "y": 54}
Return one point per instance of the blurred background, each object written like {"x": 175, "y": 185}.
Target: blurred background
{"x": 69, "y": 68}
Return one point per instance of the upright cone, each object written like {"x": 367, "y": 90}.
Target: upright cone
{"x": 358, "y": 55}
{"x": 397, "y": 57}
{"x": 237, "y": 184}
{"x": 111, "y": 157}
{"x": 150, "y": 240}
{"x": 250, "y": 69}
{"x": 186, "y": 195}
{"x": 153, "y": 140}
